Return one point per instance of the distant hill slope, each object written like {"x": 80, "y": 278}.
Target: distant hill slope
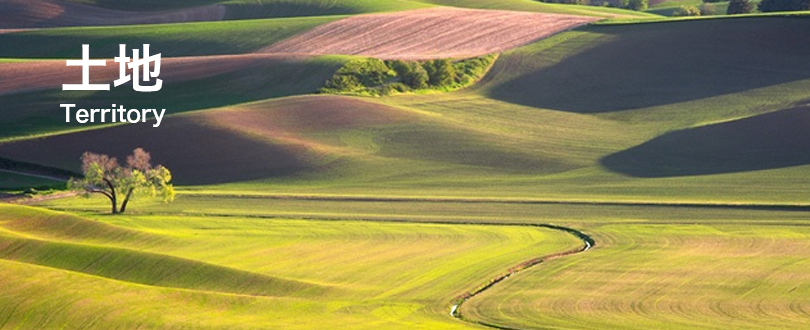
{"x": 48, "y": 13}
{"x": 541, "y": 7}
{"x": 584, "y": 114}
{"x": 607, "y": 68}
{"x": 286, "y": 138}
{"x": 428, "y": 33}
{"x": 16, "y": 14}
{"x": 773, "y": 140}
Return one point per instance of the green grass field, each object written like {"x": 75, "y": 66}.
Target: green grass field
{"x": 653, "y": 266}
{"x": 687, "y": 276}
{"x": 246, "y": 9}
{"x": 678, "y": 145}
{"x": 243, "y": 273}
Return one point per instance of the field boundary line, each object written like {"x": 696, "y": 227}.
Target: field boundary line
{"x": 477, "y": 200}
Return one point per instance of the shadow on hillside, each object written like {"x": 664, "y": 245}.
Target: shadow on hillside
{"x": 194, "y": 152}
{"x": 774, "y": 140}
{"x": 647, "y": 65}
{"x": 37, "y": 112}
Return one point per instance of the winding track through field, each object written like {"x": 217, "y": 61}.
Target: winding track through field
{"x": 455, "y": 310}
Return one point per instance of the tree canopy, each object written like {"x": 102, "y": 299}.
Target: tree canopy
{"x": 104, "y": 175}
{"x": 740, "y": 7}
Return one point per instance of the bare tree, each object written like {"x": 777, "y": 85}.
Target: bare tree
{"x": 103, "y": 175}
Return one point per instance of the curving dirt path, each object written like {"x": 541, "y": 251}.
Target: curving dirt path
{"x": 588, "y": 243}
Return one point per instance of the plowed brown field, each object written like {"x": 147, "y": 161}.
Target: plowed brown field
{"x": 36, "y": 75}
{"x": 51, "y": 13}
{"x": 428, "y": 33}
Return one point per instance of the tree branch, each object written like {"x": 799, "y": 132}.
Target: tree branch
{"x": 99, "y": 191}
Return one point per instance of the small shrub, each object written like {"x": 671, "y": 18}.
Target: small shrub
{"x": 740, "y": 7}
{"x": 707, "y": 10}
{"x": 638, "y": 5}
{"x": 345, "y": 83}
{"x": 370, "y": 72}
{"x": 400, "y": 67}
{"x": 472, "y": 69}
{"x": 394, "y": 88}
{"x": 416, "y": 77}
{"x": 686, "y": 11}
{"x": 440, "y": 72}
{"x": 374, "y": 77}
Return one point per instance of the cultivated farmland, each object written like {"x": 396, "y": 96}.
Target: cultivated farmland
{"x": 428, "y": 33}
{"x": 611, "y": 170}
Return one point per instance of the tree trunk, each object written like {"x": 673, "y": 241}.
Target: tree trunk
{"x": 126, "y": 200}
{"x": 113, "y": 198}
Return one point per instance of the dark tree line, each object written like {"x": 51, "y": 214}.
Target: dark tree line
{"x": 783, "y": 5}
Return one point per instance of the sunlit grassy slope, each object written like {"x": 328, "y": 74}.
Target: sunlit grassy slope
{"x": 537, "y": 6}
{"x": 13, "y": 181}
{"x": 664, "y": 276}
{"x": 242, "y": 9}
{"x": 706, "y": 112}
{"x": 677, "y": 267}
{"x": 241, "y": 273}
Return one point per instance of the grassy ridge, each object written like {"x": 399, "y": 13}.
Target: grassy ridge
{"x": 433, "y": 263}
{"x": 147, "y": 268}
{"x": 537, "y": 6}
{"x": 243, "y": 9}
{"x": 12, "y": 182}
{"x": 426, "y": 208}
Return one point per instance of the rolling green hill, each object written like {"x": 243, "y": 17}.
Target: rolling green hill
{"x": 679, "y": 146}
{"x": 638, "y": 66}
{"x": 526, "y": 130}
